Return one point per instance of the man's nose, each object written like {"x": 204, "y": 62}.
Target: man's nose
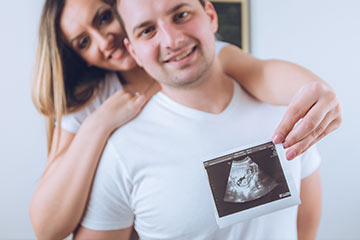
{"x": 173, "y": 37}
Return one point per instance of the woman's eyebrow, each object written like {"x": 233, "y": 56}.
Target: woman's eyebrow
{"x": 93, "y": 23}
{"x": 75, "y": 39}
{"x": 96, "y": 17}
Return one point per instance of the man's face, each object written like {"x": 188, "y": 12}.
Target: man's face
{"x": 172, "y": 39}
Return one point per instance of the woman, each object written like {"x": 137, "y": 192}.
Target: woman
{"x": 77, "y": 40}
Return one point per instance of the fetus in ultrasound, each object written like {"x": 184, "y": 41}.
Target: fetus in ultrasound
{"x": 247, "y": 182}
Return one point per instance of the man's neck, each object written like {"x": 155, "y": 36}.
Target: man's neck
{"x": 212, "y": 93}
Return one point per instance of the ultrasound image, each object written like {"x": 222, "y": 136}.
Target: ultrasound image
{"x": 247, "y": 182}
{"x": 246, "y": 179}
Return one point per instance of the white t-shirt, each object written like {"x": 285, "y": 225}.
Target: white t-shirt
{"x": 151, "y": 172}
{"x": 107, "y": 88}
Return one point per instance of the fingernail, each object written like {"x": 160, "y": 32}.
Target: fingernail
{"x": 286, "y": 145}
{"x": 277, "y": 139}
{"x": 290, "y": 155}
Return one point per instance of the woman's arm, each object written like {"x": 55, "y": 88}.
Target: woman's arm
{"x": 282, "y": 83}
{"x": 271, "y": 81}
{"x": 60, "y": 199}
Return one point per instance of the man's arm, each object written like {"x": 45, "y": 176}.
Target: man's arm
{"x": 282, "y": 83}
{"x": 88, "y": 234}
{"x": 309, "y": 211}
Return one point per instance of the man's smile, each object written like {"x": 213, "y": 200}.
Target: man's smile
{"x": 180, "y": 55}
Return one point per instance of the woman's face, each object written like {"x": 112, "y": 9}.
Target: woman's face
{"x": 91, "y": 29}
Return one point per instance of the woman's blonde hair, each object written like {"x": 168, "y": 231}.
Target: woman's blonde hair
{"x": 62, "y": 81}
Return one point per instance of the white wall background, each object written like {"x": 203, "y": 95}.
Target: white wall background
{"x": 322, "y": 35}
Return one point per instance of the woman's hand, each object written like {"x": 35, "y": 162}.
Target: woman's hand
{"x": 318, "y": 108}
{"x": 120, "y": 108}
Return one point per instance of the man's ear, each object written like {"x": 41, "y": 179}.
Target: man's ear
{"x": 132, "y": 52}
{"x": 211, "y": 12}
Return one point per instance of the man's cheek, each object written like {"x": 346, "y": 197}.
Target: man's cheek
{"x": 149, "y": 55}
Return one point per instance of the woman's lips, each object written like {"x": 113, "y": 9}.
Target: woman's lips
{"x": 117, "y": 54}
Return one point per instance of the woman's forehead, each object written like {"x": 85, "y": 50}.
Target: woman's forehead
{"x": 78, "y": 15}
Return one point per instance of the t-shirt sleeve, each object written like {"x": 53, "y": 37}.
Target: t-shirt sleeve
{"x": 107, "y": 88}
{"x": 109, "y": 204}
{"x": 310, "y": 161}
{"x": 219, "y": 45}
{"x": 72, "y": 122}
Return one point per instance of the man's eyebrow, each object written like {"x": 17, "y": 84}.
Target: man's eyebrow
{"x": 174, "y": 9}
{"x": 177, "y": 7}
{"x": 141, "y": 25}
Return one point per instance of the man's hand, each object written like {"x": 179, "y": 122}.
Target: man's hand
{"x": 318, "y": 108}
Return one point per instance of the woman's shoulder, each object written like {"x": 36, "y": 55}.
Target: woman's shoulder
{"x": 107, "y": 87}
{"x": 219, "y": 45}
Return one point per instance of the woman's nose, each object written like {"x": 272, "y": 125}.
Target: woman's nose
{"x": 105, "y": 42}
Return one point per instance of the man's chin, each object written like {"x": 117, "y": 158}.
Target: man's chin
{"x": 185, "y": 81}
{"x": 181, "y": 78}
{"x": 194, "y": 77}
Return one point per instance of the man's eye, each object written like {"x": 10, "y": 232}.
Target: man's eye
{"x": 181, "y": 16}
{"x": 106, "y": 17}
{"x": 147, "y": 31}
{"x": 84, "y": 43}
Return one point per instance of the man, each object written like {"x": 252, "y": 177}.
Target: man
{"x": 150, "y": 174}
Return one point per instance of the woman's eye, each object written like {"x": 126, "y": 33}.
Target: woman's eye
{"x": 106, "y": 17}
{"x": 84, "y": 43}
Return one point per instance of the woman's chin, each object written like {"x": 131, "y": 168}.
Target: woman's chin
{"x": 121, "y": 65}
{"x": 126, "y": 64}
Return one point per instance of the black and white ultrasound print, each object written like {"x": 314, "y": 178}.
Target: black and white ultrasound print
{"x": 248, "y": 179}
